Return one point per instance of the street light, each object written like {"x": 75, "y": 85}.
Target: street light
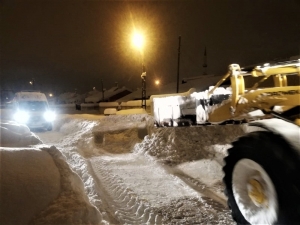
{"x": 32, "y": 83}
{"x": 138, "y": 42}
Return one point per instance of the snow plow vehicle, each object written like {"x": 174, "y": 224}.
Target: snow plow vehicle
{"x": 261, "y": 170}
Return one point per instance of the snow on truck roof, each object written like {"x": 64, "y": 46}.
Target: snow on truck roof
{"x": 30, "y": 96}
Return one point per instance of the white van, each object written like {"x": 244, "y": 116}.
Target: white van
{"x": 32, "y": 109}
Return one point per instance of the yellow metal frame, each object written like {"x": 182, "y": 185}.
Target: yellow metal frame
{"x": 243, "y": 101}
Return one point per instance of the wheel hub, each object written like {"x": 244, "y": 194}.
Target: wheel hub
{"x": 256, "y": 193}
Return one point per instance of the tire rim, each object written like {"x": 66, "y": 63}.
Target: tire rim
{"x": 254, "y": 193}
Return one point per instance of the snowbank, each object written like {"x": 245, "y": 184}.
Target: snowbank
{"x": 177, "y": 145}
{"x": 72, "y": 206}
{"x": 119, "y": 133}
{"x": 37, "y": 184}
{"x": 16, "y": 135}
{"x": 30, "y": 181}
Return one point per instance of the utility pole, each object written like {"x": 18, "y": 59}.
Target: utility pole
{"x": 178, "y": 62}
{"x": 205, "y": 62}
{"x": 102, "y": 90}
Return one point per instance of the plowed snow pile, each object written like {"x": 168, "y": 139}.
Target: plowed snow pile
{"x": 173, "y": 173}
{"x": 134, "y": 173}
{"x": 184, "y": 144}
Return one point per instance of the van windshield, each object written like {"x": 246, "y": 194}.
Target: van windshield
{"x": 33, "y": 106}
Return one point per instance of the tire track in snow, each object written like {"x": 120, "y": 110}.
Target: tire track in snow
{"x": 201, "y": 188}
{"x": 124, "y": 203}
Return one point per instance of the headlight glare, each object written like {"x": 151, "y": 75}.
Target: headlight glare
{"x": 49, "y": 116}
{"x": 21, "y": 116}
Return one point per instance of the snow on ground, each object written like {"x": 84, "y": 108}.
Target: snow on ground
{"x": 17, "y": 135}
{"x": 37, "y": 185}
{"x": 116, "y": 169}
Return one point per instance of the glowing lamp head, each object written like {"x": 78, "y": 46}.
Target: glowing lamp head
{"x": 138, "y": 40}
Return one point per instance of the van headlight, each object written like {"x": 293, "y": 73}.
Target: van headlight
{"x": 49, "y": 116}
{"x": 21, "y": 116}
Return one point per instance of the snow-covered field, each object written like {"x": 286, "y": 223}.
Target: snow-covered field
{"x": 117, "y": 169}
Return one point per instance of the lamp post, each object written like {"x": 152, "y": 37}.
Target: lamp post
{"x": 143, "y": 76}
{"x": 138, "y": 42}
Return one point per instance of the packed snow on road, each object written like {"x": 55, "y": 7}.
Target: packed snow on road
{"x": 120, "y": 169}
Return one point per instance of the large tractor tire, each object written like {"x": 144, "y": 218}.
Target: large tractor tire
{"x": 262, "y": 180}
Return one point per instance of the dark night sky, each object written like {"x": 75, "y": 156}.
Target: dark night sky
{"x": 74, "y": 44}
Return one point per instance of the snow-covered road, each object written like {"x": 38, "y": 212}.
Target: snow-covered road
{"x": 135, "y": 173}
